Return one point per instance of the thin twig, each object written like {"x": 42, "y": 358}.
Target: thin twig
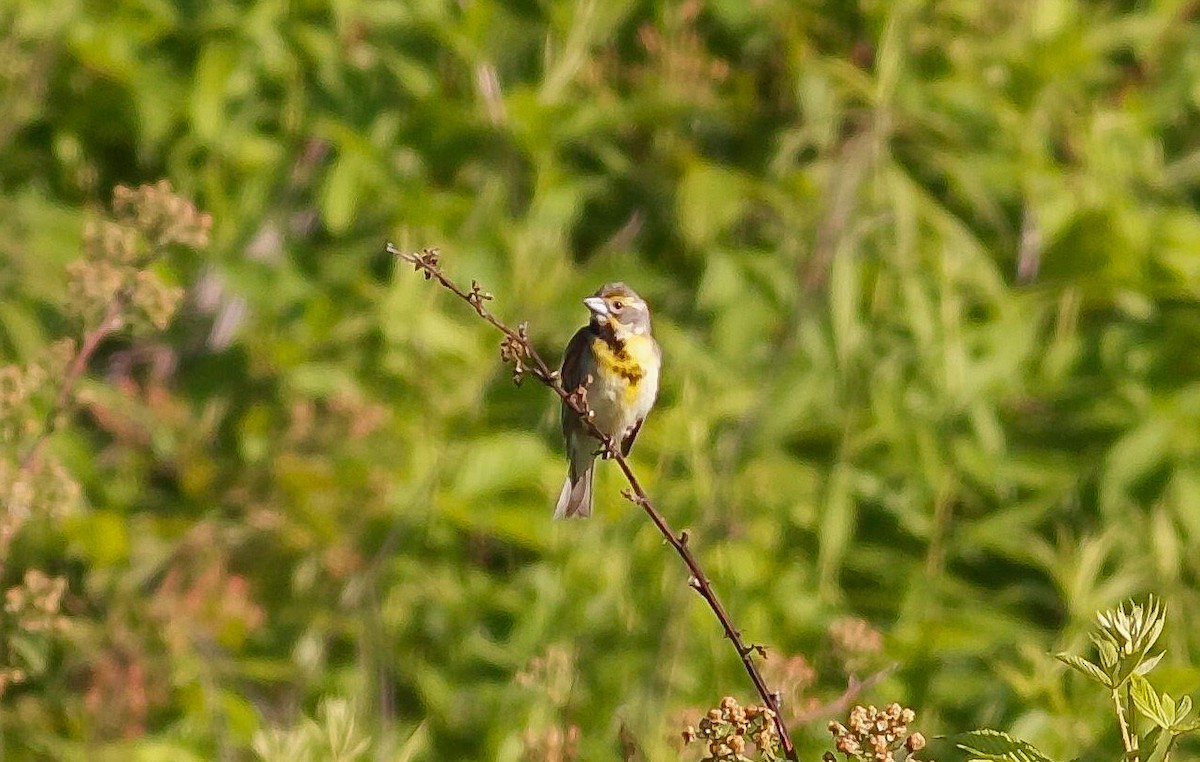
{"x": 110, "y": 322}
{"x": 520, "y": 351}
{"x": 839, "y": 705}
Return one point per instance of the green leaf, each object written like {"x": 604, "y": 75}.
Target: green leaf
{"x": 33, "y": 652}
{"x": 1181, "y": 723}
{"x": 101, "y": 536}
{"x": 1109, "y": 656}
{"x": 1184, "y": 709}
{"x": 164, "y": 750}
{"x": 213, "y": 72}
{"x": 416, "y": 743}
{"x": 837, "y": 528}
{"x": 340, "y": 193}
{"x": 1086, "y": 667}
{"x": 988, "y": 745}
{"x": 1162, "y": 741}
{"x": 1146, "y": 699}
{"x": 1149, "y": 664}
{"x": 493, "y": 464}
{"x": 1127, "y": 667}
{"x": 710, "y": 199}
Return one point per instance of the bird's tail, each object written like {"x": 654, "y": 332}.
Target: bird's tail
{"x": 575, "y": 500}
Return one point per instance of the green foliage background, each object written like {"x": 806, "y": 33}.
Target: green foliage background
{"x": 927, "y": 280}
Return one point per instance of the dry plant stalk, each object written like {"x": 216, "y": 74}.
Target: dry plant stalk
{"x": 518, "y": 350}
{"x": 110, "y": 287}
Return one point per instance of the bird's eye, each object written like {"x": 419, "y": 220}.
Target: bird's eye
{"x": 618, "y": 305}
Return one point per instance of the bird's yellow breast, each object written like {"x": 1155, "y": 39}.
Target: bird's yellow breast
{"x": 618, "y": 360}
{"x": 631, "y": 360}
{"x": 626, "y": 382}
{"x": 630, "y": 366}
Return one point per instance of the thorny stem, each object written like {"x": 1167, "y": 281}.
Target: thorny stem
{"x": 110, "y": 322}
{"x": 519, "y": 349}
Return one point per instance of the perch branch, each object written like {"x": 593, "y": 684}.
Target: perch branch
{"x": 517, "y": 349}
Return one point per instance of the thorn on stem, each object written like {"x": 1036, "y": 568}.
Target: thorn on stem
{"x": 684, "y": 537}
{"x": 477, "y": 296}
{"x": 694, "y": 583}
{"x": 425, "y": 261}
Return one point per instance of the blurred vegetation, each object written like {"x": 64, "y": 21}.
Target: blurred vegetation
{"x": 927, "y": 279}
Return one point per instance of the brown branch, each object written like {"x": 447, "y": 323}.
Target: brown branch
{"x": 110, "y": 322}
{"x": 839, "y": 705}
{"x": 517, "y": 348}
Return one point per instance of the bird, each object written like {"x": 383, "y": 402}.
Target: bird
{"x": 617, "y": 361}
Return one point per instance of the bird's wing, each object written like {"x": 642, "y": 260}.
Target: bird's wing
{"x": 575, "y": 368}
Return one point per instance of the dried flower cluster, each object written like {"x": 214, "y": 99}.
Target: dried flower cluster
{"x": 147, "y": 221}
{"x": 853, "y": 635}
{"x": 17, "y": 386}
{"x": 22, "y": 386}
{"x": 854, "y": 643}
{"x": 109, "y": 288}
{"x": 33, "y": 608}
{"x": 730, "y": 730}
{"x": 875, "y": 734}
{"x": 50, "y": 490}
{"x": 35, "y": 603}
{"x": 162, "y": 216}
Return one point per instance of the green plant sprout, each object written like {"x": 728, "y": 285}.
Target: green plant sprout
{"x": 1125, "y": 639}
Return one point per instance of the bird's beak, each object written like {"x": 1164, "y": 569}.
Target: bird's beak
{"x": 597, "y": 306}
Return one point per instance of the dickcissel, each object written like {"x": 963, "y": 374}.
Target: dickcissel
{"x": 617, "y": 361}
